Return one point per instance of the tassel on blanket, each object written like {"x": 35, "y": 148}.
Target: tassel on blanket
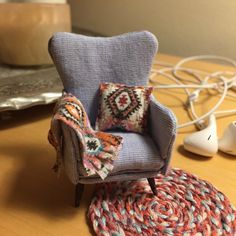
{"x": 98, "y": 150}
{"x": 56, "y": 143}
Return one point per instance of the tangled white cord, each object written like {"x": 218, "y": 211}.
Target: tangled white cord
{"x": 226, "y": 83}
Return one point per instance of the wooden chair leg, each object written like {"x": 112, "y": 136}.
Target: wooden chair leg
{"x": 152, "y": 184}
{"x": 79, "y": 188}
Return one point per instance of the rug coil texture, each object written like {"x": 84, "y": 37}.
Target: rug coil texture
{"x": 185, "y": 205}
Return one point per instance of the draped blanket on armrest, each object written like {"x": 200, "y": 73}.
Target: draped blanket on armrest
{"x": 97, "y": 150}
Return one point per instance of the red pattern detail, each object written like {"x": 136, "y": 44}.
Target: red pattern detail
{"x": 98, "y": 149}
{"x": 184, "y": 204}
{"x": 123, "y": 100}
{"x": 123, "y": 107}
{"x": 134, "y": 105}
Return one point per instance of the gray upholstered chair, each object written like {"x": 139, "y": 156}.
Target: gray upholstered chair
{"x": 83, "y": 63}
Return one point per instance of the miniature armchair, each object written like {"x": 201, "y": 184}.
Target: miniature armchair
{"x": 83, "y": 63}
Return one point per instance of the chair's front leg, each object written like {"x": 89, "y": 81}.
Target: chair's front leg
{"x": 79, "y": 189}
{"x": 152, "y": 184}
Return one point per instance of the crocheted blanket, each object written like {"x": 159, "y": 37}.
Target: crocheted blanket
{"x": 97, "y": 150}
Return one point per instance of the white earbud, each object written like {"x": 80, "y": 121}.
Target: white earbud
{"x": 204, "y": 142}
{"x": 227, "y": 143}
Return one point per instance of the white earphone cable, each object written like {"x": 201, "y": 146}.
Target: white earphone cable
{"x": 201, "y": 77}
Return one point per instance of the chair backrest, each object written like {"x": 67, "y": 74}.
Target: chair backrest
{"x": 84, "y": 62}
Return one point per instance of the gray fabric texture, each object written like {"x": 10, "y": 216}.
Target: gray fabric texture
{"x": 138, "y": 155}
{"x": 162, "y": 127}
{"x": 83, "y": 63}
{"x": 138, "y": 152}
{"x": 70, "y": 153}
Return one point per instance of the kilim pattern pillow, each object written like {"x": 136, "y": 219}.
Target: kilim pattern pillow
{"x": 123, "y": 107}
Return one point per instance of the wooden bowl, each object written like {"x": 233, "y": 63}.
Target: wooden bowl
{"x": 25, "y": 29}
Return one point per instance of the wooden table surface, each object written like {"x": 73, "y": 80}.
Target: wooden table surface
{"x": 220, "y": 170}
{"x": 34, "y": 202}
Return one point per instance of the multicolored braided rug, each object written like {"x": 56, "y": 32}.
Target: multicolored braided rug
{"x": 185, "y": 205}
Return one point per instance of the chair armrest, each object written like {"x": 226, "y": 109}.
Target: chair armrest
{"x": 70, "y": 153}
{"x": 64, "y": 140}
{"x": 162, "y": 125}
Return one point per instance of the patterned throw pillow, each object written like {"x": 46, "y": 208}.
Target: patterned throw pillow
{"x": 123, "y": 107}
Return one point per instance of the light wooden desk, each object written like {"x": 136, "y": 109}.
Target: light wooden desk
{"x": 34, "y": 202}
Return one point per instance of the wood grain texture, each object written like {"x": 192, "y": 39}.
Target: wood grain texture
{"x": 34, "y": 202}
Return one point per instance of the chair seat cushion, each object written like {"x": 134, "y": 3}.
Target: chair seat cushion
{"x": 139, "y": 155}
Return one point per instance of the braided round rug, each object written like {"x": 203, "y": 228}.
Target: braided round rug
{"x": 185, "y": 205}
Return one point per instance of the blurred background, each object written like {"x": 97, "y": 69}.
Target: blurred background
{"x": 183, "y": 27}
